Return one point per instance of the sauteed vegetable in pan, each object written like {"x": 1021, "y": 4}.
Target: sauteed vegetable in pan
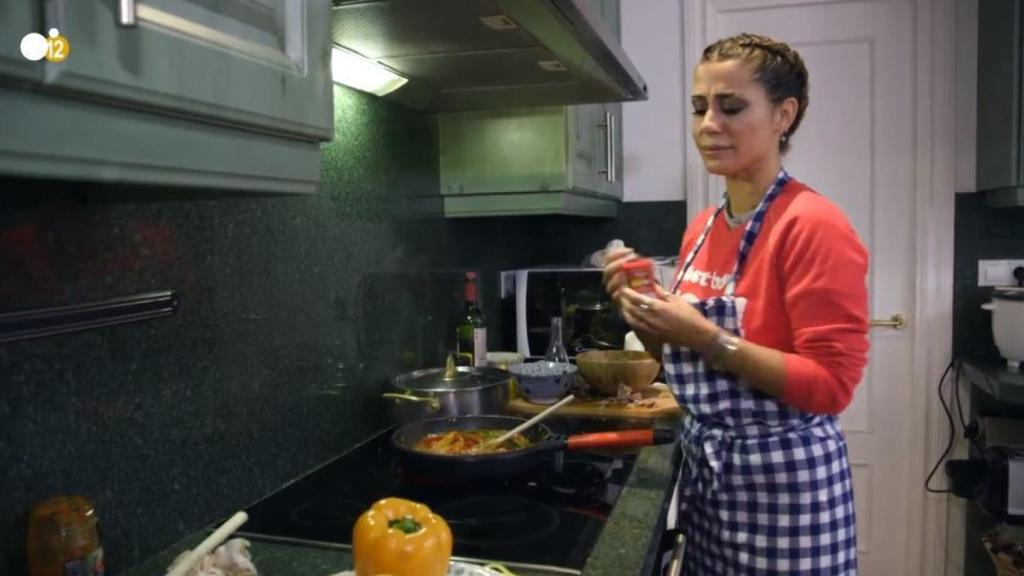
{"x": 454, "y": 438}
{"x": 469, "y": 442}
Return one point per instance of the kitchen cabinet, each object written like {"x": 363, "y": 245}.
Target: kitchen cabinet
{"x": 232, "y": 94}
{"x": 1000, "y": 124}
{"x": 547, "y": 160}
{"x": 16, "y": 20}
{"x": 609, "y": 12}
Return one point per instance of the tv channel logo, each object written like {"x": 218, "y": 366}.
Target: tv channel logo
{"x": 54, "y": 47}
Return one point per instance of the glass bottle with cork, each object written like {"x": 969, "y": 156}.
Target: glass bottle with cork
{"x": 471, "y": 333}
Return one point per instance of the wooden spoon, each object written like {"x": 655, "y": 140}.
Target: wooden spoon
{"x": 483, "y": 447}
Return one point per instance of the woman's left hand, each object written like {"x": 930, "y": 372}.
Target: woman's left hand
{"x": 667, "y": 317}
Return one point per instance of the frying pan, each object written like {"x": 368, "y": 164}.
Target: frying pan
{"x": 542, "y": 443}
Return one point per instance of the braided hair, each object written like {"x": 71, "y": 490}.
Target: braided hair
{"x": 776, "y": 66}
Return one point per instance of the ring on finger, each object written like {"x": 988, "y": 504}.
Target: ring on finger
{"x": 644, "y": 306}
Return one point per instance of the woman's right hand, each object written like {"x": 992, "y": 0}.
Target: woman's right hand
{"x": 613, "y": 276}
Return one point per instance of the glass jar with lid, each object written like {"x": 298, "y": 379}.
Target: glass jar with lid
{"x": 64, "y": 538}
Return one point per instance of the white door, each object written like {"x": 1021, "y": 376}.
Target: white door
{"x": 856, "y": 146}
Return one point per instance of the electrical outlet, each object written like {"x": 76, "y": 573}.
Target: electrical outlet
{"x": 997, "y": 272}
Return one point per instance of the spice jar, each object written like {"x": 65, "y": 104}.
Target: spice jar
{"x": 64, "y": 539}
{"x": 640, "y": 274}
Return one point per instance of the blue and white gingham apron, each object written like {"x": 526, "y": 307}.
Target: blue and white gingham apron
{"x": 764, "y": 488}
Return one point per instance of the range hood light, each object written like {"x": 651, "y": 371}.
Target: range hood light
{"x": 361, "y": 73}
{"x": 498, "y": 22}
{"x": 551, "y": 65}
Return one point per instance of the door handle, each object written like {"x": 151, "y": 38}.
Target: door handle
{"x": 675, "y": 566}
{"x": 896, "y": 321}
{"x": 126, "y": 13}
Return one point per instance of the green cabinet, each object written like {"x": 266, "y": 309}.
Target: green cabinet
{"x": 549, "y": 160}
{"x": 596, "y": 144}
{"x": 609, "y": 12}
{"x": 232, "y": 94}
{"x": 18, "y": 18}
{"x": 558, "y": 159}
{"x": 1000, "y": 143}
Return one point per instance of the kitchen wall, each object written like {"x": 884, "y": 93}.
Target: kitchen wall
{"x": 270, "y": 367}
{"x": 491, "y": 245}
{"x": 294, "y": 312}
{"x": 981, "y": 233}
{"x": 656, "y": 131}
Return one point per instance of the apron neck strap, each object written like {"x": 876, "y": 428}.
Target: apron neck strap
{"x": 750, "y": 232}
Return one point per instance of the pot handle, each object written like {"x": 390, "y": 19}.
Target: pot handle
{"x": 990, "y": 306}
{"x": 431, "y": 402}
{"x": 621, "y": 439}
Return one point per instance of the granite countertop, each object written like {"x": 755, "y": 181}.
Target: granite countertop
{"x": 621, "y": 550}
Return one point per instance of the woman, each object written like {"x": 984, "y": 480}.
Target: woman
{"x": 763, "y": 336}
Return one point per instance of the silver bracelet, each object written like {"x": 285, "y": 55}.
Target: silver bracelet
{"x": 726, "y": 344}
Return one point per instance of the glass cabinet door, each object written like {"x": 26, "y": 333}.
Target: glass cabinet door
{"x": 258, "y": 64}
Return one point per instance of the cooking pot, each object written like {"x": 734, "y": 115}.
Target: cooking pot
{"x": 1007, "y": 308}
{"x": 449, "y": 391}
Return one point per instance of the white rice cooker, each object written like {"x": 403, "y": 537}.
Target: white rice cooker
{"x": 1007, "y": 307}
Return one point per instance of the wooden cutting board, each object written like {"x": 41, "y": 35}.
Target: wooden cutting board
{"x": 665, "y": 406}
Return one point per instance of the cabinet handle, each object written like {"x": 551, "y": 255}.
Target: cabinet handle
{"x": 613, "y": 170}
{"x": 609, "y": 127}
{"x": 126, "y": 13}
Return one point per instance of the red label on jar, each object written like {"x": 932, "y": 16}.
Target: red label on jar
{"x": 641, "y": 275}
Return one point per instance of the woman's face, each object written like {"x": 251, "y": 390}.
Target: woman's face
{"x": 735, "y": 126}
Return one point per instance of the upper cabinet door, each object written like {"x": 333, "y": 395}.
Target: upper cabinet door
{"x": 597, "y": 149}
{"x": 612, "y": 183}
{"x": 999, "y": 152}
{"x": 589, "y": 154}
{"x": 256, "y": 64}
{"x": 18, "y": 18}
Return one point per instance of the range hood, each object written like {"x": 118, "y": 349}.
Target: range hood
{"x": 481, "y": 54}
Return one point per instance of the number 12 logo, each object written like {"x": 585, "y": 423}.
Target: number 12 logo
{"x": 54, "y": 48}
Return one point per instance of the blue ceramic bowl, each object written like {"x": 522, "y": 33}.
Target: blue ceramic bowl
{"x": 544, "y": 382}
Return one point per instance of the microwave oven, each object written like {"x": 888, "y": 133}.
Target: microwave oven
{"x": 530, "y": 297}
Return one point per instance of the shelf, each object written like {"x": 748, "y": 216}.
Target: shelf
{"x": 996, "y": 380}
{"x": 26, "y": 324}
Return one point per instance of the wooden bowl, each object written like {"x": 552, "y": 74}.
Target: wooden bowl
{"x": 604, "y": 370}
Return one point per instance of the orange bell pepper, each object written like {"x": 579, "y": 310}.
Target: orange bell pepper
{"x": 401, "y": 538}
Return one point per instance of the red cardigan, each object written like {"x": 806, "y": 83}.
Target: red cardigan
{"x": 805, "y": 284}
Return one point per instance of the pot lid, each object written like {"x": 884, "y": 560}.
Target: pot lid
{"x": 452, "y": 377}
{"x": 1008, "y": 293}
